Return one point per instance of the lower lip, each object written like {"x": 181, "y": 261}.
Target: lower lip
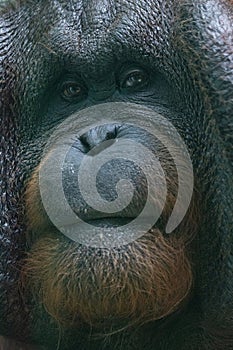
{"x": 110, "y": 222}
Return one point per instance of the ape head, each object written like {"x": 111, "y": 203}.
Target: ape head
{"x": 116, "y": 174}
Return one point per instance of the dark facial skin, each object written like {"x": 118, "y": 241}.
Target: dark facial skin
{"x": 58, "y": 58}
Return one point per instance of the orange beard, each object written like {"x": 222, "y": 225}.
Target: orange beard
{"x": 144, "y": 281}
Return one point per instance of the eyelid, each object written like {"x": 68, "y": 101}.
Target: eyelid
{"x": 125, "y": 71}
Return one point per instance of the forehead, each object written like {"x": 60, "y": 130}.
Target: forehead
{"x": 99, "y": 27}
{"x": 101, "y": 13}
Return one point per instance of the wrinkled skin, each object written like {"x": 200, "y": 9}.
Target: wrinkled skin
{"x": 188, "y": 49}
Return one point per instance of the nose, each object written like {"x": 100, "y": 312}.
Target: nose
{"x": 99, "y": 134}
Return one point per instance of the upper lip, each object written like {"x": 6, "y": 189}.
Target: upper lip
{"x": 91, "y": 214}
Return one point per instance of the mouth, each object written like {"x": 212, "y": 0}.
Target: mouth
{"x": 106, "y": 232}
{"x": 109, "y": 222}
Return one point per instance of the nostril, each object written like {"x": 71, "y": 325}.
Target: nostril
{"x": 112, "y": 134}
{"x": 85, "y": 142}
{"x": 99, "y": 135}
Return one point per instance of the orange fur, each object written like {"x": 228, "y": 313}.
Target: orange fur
{"x": 142, "y": 281}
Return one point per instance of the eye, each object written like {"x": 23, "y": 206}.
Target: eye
{"x": 73, "y": 91}
{"x": 134, "y": 80}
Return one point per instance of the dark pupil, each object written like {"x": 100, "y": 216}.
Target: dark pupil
{"x": 73, "y": 90}
{"x": 134, "y": 79}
